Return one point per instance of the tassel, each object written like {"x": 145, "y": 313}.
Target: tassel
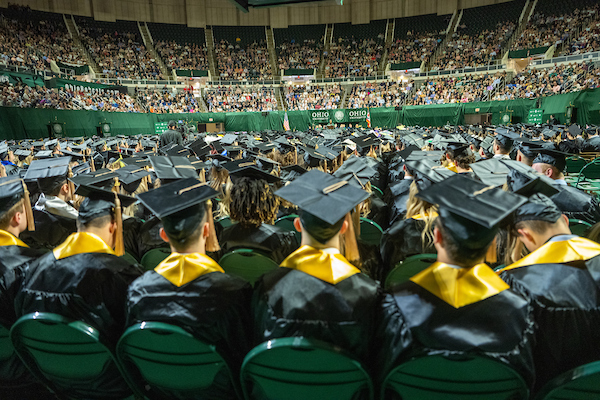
{"x": 356, "y": 220}
{"x": 348, "y": 242}
{"x": 119, "y": 244}
{"x": 491, "y": 257}
{"x": 212, "y": 244}
{"x": 203, "y": 176}
{"x": 28, "y": 210}
{"x": 295, "y": 156}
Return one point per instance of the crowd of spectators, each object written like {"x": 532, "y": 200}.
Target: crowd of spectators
{"x": 32, "y": 43}
{"x": 313, "y": 97}
{"x": 294, "y": 55}
{"x": 353, "y": 57}
{"x": 182, "y": 56}
{"x": 243, "y": 62}
{"x": 166, "y": 101}
{"x": 251, "y": 99}
{"x": 66, "y": 98}
{"x": 415, "y": 48}
{"x": 533, "y": 83}
{"x": 465, "y": 50}
{"x": 120, "y": 54}
{"x": 588, "y": 39}
{"x": 384, "y": 94}
{"x": 463, "y": 89}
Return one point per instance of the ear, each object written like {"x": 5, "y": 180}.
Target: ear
{"x": 344, "y": 227}
{"x": 437, "y": 236}
{"x": 526, "y": 236}
{"x": 565, "y": 219}
{"x": 205, "y": 230}
{"x": 447, "y": 157}
{"x": 548, "y": 172}
{"x": 112, "y": 227}
{"x": 163, "y": 235}
{"x": 65, "y": 188}
{"x": 298, "y": 224}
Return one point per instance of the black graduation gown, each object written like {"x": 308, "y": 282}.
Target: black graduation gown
{"x": 50, "y": 230}
{"x": 275, "y": 242}
{"x": 148, "y": 237}
{"x": 288, "y": 302}
{"x": 401, "y": 241}
{"x": 380, "y": 177}
{"x": 215, "y": 308}
{"x": 591, "y": 145}
{"x": 379, "y": 212}
{"x": 576, "y": 204}
{"x": 566, "y": 302}
{"x": 570, "y": 146}
{"x": 398, "y": 197}
{"x": 417, "y": 323}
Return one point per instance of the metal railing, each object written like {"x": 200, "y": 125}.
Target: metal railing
{"x": 494, "y": 66}
{"x": 593, "y": 56}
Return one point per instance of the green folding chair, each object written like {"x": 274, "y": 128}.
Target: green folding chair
{"x": 165, "y": 362}
{"x": 370, "y": 231}
{"x": 457, "y": 378}
{"x": 575, "y": 164}
{"x": 299, "y": 369}
{"x": 248, "y": 264}
{"x": 408, "y": 268}
{"x": 68, "y": 356}
{"x": 377, "y": 192}
{"x": 127, "y": 256}
{"x": 579, "y": 227}
{"x": 287, "y": 223}
{"x": 154, "y": 257}
{"x": 589, "y": 177}
{"x": 224, "y": 222}
{"x": 581, "y": 383}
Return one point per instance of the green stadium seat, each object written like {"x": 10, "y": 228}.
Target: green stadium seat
{"x": 408, "y": 268}
{"x": 224, "y": 222}
{"x": 589, "y": 177}
{"x": 370, "y": 231}
{"x": 300, "y": 369}
{"x": 581, "y": 383}
{"x": 165, "y": 362}
{"x": 154, "y": 257}
{"x": 579, "y": 227}
{"x": 287, "y": 223}
{"x": 377, "y": 192}
{"x": 248, "y": 264}
{"x": 457, "y": 378}
{"x": 575, "y": 164}
{"x": 127, "y": 256}
{"x": 68, "y": 356}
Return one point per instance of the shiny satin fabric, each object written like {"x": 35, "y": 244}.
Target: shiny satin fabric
{"x": 273, "y": 241}
{"x": 576, "y": 204}
{"x": 327, "y": 265}
{"x": 8, "y": 239}
{"x": 417, "y": 323}
{"x": 288, "y": 302}
{"x": 380, "y": 178}
{"x": 397, "y": 197}
{"x": 215, "y": 308}
{"x": 79, "y": 243}
{"x": 50, "y": 230}
{"x": 180, "y": 269}
{"x": 460, "y": 287}
{"x": 379, "y": 212}
{"x": 403, "y": 240}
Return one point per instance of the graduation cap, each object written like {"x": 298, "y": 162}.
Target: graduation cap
{"x": 177, "y": 151}
{"x": 137, "y": 161}
{"x": 426, "y": 172}
{"x": 538, "y": 207}
{"x": 529, "y": 148}
{"x": 102, "y": 177}
{"x": 356, "y": 171}
{"x": 470, "y": 211}
{"x": 491, "y": 172}
{"x": 549, "y": 133}
{"x": 322, "y": 195}
{"x": 50, "y": 173}
{"x": 23, "y": 153}
{"x": 181, "y": 207}
{"x": 168, "y": 168}
{"x": 265, "y": 163}
{"x": 131, "y": 176}
{"x": 12, "y": 190}
{"x": 51, "y": 143}
{"x": 524, "y": 180}
{"x": 552, "y": 157}
{"x": 575, "y": 130}
{"x": 81, "y": 169}
{"x": 200, "y": 147}
{"x": 37, "y": 144}
{"x": 234, "y": 165}
{"x": 505, "y": 137}
{"x": 43, "y": 154}
{"x": 292, "y": 172}
{"x": 457, "y": 149}
{"x": 253, "y": 172}
{"x": 228, "y": 139}
{"x": 73, "y": 154}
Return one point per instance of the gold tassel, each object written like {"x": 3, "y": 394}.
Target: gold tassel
{"x": 28, "y": 210}
{"x": 203, "y": 176}
{"x": 119, "y": 244}
{"x": 212, "y": 244}
{"x": 491, "y": 257}
{"x": 295, "y": 156}
{"x": 349, "y": 242}
{"x": 356, "y": 220}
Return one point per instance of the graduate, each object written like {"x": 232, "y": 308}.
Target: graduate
{"x": 561, "y": 277}
{"x": 317, "y": 293}
{"x": 188, "y": 288}
{"x": 431, "y": 313}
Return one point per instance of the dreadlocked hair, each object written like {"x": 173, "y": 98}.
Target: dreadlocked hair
{"x": 427, "y": 211}
{"x": 252, "y": 202}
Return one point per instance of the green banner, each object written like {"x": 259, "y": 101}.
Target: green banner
{"x": 79, "y": 69}
{"x": 161, "y": 127}
{"x": 59, "y": 82}
{"x": 31, "y": 80}
{"x": 297, "y": 72}
{"x": 192, "y": 73}
{"x": 340, "y": 116}
{"x": 405, "y": 66}
{"x": 535, "y": 116}
{"x": 527, "y": 52}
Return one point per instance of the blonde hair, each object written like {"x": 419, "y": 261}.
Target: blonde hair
{"x": 416, "y": 206}
{"x": 142, "y": 188}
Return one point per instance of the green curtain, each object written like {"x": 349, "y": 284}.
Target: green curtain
{"x": 432, "y": 115}
{"x": 406, "y": 65}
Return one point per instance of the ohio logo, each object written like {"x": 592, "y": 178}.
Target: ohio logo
{"x": 357, "y": 114}
{"x": 506, "y": 118}
{"x": 320, "y": 114}
{"x": 339, "y": 115}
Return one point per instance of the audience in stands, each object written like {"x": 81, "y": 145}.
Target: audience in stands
{"x": 243, "y": 62}
{"x": 415, "y": 48}
{"x": 168, "y": 101}
{"x": 461, "y": 89}
{"x": 182, "y": 56}
{"x": 303, "y": 55}
{"x": 313, "y": 97}
{"x": 229, "y": 99}
{"x": 384, "y": 94}
{"x": 352, "y": 57}
{"x": 588, "y": 40}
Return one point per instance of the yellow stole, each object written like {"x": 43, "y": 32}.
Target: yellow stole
{"x": 460, "y": 287}
{"x": 8, "y": 239}
{"x": 329, "y": 267}
{"x": 565, "y": 251}
{"x": 79, "y": 243}
{"x": 180, "y": 269}
{"x": 421, "y": 216}
{"x": 452, "y": 167}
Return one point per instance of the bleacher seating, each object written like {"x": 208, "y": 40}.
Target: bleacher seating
{"x": 416, "y": 38}
{"x": 299, "y": 47}
{"x": 241, "y": 52}
{"x": 180, "y": 47}
{"x": 247, "y": 98}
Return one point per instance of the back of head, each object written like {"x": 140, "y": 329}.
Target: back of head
{"x": 252, "y": 202}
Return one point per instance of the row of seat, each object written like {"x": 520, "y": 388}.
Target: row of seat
{"x": 162, "y": 361}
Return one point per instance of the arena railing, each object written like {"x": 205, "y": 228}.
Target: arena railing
{"x": 497, "y": 65}
{"x": 593, "y": 56}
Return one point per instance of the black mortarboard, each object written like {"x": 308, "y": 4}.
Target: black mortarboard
{"x": 524, "y": 180}
{"x": 72, "y": 154}
{"x": 265, "y": 163}
{"x": 574, "y": 130}
{"x": 537, "y": 208}
{"x": 470, "y": 211}
{"x": 49, "y": 173}
{"x": 23, "y": 153}
{"x": 457, "y": 148}
{"x": 492, "y": 172}
{"x": 137, "y": 161}
{"x": 228, "y": 139}
{"x": 426, "y": 172}
{"x": 253, "y": 172}
{"x": 44, "y": 154}
{"x": 552, "y": 157}
{"x": 356, "y": 171}
{"x": 173, "y": 168}
{"x": 102, "y": 177}
{"x": 12, "y": 190}
{"x": 179, "y": 205}
{"x": 99, "y": 202}
{"x": 131, "y": 176}
{"x": 81, "y": 169}
{"x": 529, "y": 148}
{"x": 323, "y": 195}
{"x": 505, "y": 137}
{"x": 234, "y": 165}
{"x": 200, "y": 147}
{"x": 219, "y": 157}
{"x": 176, "y": 151}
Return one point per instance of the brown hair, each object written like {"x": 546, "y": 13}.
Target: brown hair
{"x": 8, "y": 216}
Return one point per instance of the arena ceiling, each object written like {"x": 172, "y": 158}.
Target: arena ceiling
{"x": 244, "y": 5}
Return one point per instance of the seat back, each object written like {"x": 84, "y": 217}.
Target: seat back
{"x": 287, "y": 223}
{"x": 299, "y": 369}
{"x": 7, "y": 350}
{"x": 224, "y": 222}
{"x": 590, "y": 171}
{"x": 579, "y": 227}
{"x": 248, "y": 264}
{"x": 165, "y": 361}
{"x": 461, "y": 378}
{"x": 408, "y": 268}
{"x": 370, "y": 231}
{"x": 575, "y": 164}
{"x": 377, "y": 192}
{"x": 581, "y": 383}
{"x": 130, "y": 258}
{"x": 154, "y": 257}
{"x": 68, "y": 356}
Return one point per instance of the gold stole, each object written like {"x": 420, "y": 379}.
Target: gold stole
{"x": 180, "y": 269}
{"x": 79, "y": 243}
{"x": 421, "y": 216}
{"x": 329, "y": 267}
{"x": 8, "y": 239}
{"x": 460, "y": 287}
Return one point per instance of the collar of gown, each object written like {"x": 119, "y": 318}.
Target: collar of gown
{"x": 460, "y": 287}
{"x": 56, "y": 206}
{"x": 180, "y": 269}
{"x": 8, "y": 239}
{"x": 327, "y": 265}
{"x": 559, "y": 252}
{"x": 79, "y": 243}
